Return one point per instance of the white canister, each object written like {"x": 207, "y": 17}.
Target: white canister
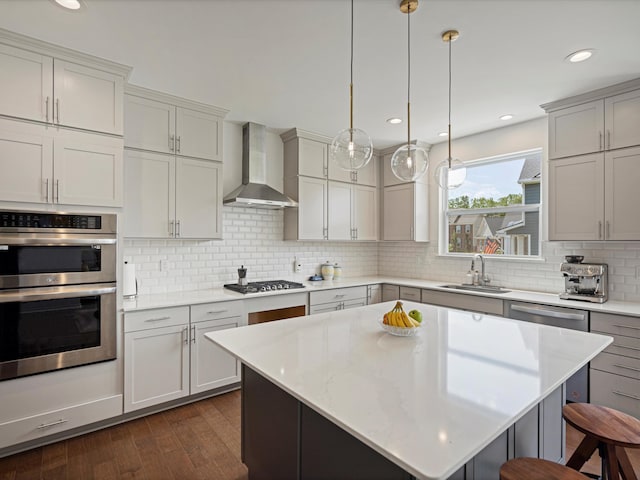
{"x": 337, "y": 271}
{"x": 327, "y": 271}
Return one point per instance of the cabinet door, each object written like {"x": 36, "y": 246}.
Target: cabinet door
{"x": 87, "y": 98}
{"x": 390, "y": 292}
{"x": 577, "y": 130}
{"x": 364, "y": 202}
{"x": 368, "y": 175}
{"x": 156, "y": 366}
{"x": 398, "y": 214}
{"x": 198, "y": 134}
{"x": 312, "y": 158}
{"x": 26, "y": 163}
{"x": 576, "y": 198}
{"x": 26, "y": 84}
{"x": 374, "y": 294}
{"x": 621, "y": 175}
{"x": 149, "y": 194}
{"x": 339, "y": 211}
{"x": 88, "y": 169}
{"x": 149, "y": 125}
{"x": 312, "y": 208}
{"x": 622, "y": 120}
{"x": 198, "y": 198}
{"x": 211, "y": 366}
{"x": 335, "y": 172}
{"x": 388, "y": 177}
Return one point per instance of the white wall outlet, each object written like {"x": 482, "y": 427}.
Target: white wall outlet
{"x": 297, "y": 266}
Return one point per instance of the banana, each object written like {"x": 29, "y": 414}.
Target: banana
{"x": 397, "y": 317}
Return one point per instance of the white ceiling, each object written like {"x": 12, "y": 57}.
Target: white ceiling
{"x": 285, "y": 63}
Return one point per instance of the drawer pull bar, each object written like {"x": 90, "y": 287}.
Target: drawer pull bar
{"x": 627, "y": 326}
{"x": 216, "y": 312}
{"x": 339, "y": 296}
{"x": 635, "y": 397}
{"x": 51, "y": 424}
{"x": 628, "y": 348}
{"x": 628, "y": 368}
{"x": 159, "y": 319}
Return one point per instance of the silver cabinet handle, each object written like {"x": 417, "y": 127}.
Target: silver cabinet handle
{"x": 599, "y": 229}
{"x": 51, "y": 424}
{"x": 171, "y": 142}
{"x": 193, "y": 334}
{"x": 216, "y": 312}
{"x": 57, "y": 111}
{"x": 627, "y": 326}
{"x": 171, "y": 228}
{"x": 608, "y": 230}
{"x": 411, "y": 236}
{"x": 178, "y": 144}
{"x": 547, "y": 313}
{"x": 46, "y": 190}
{"x": 600, "y": 141}
{"x": 356, "y": 234}
{"x": 185, "y": 335}
{"x": 177, "y": 228}
{"x": 158, "y": 319}
{"x": 608, "y": 139}
{"x": 57, "y": 191}
{"x": 626, "y": 367}
{"x": 46, "y": 110}
{"x": 339, "y": 295}
{"x": 635, "y": 397}
{"x": 325, "y": 233}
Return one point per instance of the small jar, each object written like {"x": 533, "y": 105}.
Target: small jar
{"x": 337, "y": 271}
{"x": 327, "y": 271}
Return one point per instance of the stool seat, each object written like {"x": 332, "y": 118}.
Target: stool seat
{"x": 608, "y": 430}
{"x": 537, "y": 469}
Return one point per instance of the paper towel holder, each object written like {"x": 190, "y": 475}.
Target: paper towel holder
{"x": 130, "y": 282}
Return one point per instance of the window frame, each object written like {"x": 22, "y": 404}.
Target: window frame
{"x": 444, "y": 213}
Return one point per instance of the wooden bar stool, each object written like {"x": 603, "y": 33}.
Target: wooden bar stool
{"x": 537, "y": 469}
{"x": 608, "y": 430}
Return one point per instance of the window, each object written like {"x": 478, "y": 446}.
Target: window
{"x": 497, "y": 210}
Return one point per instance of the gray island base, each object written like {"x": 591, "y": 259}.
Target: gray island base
{"x": 333, "y": 396}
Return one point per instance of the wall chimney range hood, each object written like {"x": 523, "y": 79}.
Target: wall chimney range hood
{"x": 254, "y": 191}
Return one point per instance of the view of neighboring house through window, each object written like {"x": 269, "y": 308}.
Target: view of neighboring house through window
{"x": 497, "y": 209}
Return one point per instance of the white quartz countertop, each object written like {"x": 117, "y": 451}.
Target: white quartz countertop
{"x": 430, "y": 402}
{"x": 145, "y": 302}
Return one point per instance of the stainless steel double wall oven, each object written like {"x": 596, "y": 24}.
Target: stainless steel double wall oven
{"x": 57, "y": 291}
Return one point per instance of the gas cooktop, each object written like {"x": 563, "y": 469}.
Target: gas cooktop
{"x": 268, "y": 286}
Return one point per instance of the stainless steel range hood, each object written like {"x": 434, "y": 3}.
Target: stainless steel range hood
{"x": 254, "y": 191}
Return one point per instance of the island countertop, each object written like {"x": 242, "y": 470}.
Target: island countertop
{"x": 429, "y": 402}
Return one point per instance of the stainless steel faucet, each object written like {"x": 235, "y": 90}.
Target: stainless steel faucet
{"x": 484, "y": 278}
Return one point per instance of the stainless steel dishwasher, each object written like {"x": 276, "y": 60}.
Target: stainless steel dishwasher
{"x": 571, "y": 318}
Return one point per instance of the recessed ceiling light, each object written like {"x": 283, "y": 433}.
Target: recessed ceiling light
{"x": 69, "y": 4}
{"x": 394, "y": 120}
{"x": 580, "y": 55}
{"x": 443, "y": 134}
{"x": 508, "y": 116}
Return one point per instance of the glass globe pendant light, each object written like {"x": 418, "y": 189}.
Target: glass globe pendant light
{"x": 351, "y": 148}
{"x": 451, "y": 172}
{"x": 409, "y": 162}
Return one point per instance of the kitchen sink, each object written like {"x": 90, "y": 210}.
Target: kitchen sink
{"x": 478, "y": 288}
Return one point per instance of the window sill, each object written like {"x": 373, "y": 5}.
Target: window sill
{"x": 501, "y": 258}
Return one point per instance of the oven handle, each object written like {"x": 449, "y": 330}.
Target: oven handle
{"x": 62, "y": 240}
{"x": 53, "y": 293}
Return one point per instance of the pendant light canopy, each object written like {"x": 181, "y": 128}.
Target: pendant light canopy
{"x": 451, "y": 172}
{"x": 409, "y": 162}
{"x": 351, "y": 148}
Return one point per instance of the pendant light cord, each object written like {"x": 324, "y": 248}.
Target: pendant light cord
{"x": 351, "y": 78}
{"x": 449, "y": 133}
{"x": 408, "y": 77}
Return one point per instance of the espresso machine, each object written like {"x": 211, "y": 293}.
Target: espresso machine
{"x": 584, "y": 281}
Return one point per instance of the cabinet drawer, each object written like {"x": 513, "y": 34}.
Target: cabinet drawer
{"x": 337, "y": 295}
{"x": 410, "y": 293}
{"x": 615, "y": 324}
{"x": 37, "y": 426}
{"x": 390, "y": 292}
{"x": 213, "y": 311}
{"x": 614, "y": 391}
{"x": 625, "y": 366}
{"x": 624, "y": 346}
{"x": 472, "y": 303}
{"x": 163, "y": 317}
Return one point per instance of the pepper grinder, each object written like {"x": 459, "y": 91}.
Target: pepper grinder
{"x": 242, "y": 275}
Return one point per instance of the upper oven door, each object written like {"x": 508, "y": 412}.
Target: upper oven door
{"x": 46, "y": 260}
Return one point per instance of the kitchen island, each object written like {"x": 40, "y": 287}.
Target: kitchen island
{"x": 334, "y": 396}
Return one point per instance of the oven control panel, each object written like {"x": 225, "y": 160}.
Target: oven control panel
{"x": 49, "y": 220}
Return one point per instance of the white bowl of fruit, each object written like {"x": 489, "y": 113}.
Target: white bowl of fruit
{"x": 398, "y": 322}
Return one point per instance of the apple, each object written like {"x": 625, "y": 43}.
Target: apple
{"x": 416, "y": 315}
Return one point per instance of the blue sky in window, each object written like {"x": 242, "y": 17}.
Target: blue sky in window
{"x": 494, "y": 180}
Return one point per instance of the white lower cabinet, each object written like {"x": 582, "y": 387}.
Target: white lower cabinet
{"x": 166, "y": 356}
{"x": 374, "y": 294}
{"x": 390, "y": 292}
{"x": 462, "y": 301}
{"x": 337, "y": 299}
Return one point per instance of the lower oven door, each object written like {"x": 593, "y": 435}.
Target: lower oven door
{"x": 50, "y": 328}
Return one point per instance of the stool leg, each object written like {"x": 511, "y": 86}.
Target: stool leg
{"x": 626, "y": 469}
{"x": 583, "y": 453}
{"x": 613, "y": 470}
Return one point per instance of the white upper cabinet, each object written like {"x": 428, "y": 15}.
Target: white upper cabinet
{"x": 312, "y": 158}
{"x": 162, "y": 123}
{"x": 339, "y": 211}
{"x": 364, "y": 212}
{"x": 405, "y": 216}
{"x": 602, "y": 120}
{"x": 307, "y": 221}
{"x": 46, "y": 83}
{"x": 621, "y": 176}
{"x": 46, "y": 166}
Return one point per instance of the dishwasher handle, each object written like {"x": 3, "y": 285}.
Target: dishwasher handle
{"x": 543, "y": 312}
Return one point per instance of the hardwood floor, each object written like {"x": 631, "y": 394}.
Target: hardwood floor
{"x": 196, "y": 441}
